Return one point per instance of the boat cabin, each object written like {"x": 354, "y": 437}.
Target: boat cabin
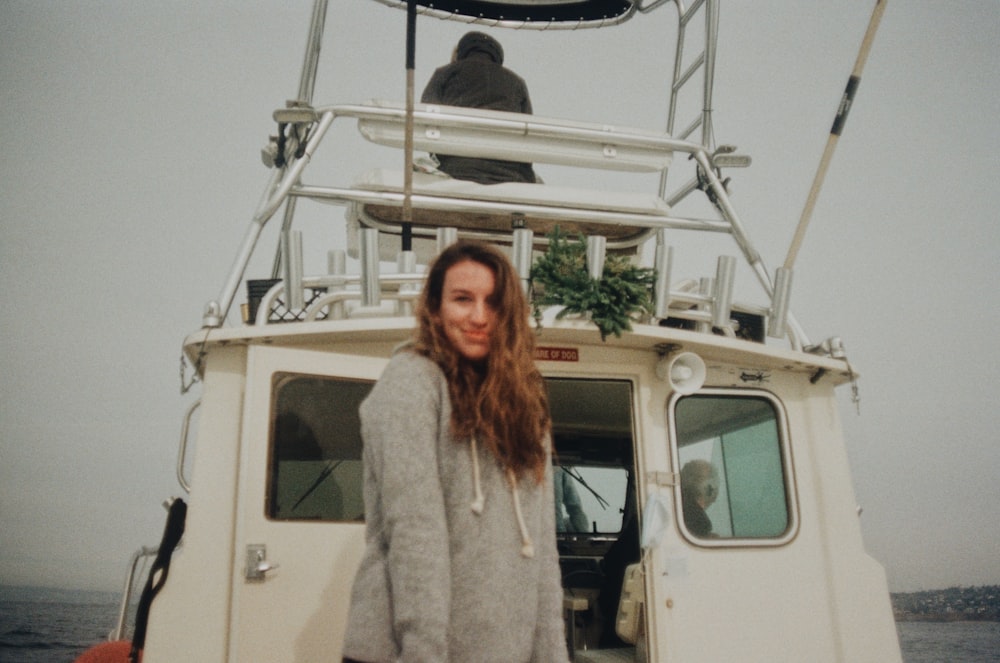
{"x": 705, "y": 506}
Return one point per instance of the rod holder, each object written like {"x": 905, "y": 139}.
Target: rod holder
{"x": 706, "y": 287}
{"x": 406, "y": 263}
{"x": 291, "y": 250}
{"x": 446, "y": 237}
{"x": 663, "y": 261}
{"x": 722, "y": 305}
{"x": 336, "y": 262}
{"x": 371, "y": 294}
{"x": 778, "y": 322}
{"x": 596, "y": 249}
{"x": 336, "y": 265}
{"x": 523, "y": 240}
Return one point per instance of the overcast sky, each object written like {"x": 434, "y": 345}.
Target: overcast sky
{"x": 131, "y": 136}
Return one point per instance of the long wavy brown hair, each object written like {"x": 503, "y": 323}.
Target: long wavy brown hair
{"x": 502, "y": 399}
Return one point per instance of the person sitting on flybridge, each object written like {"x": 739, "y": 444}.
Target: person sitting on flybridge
{"x": 476, "y": 78}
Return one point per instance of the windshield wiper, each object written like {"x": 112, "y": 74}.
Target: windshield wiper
{"x": 327, "y": 471}
{"x": 573, "y": 472}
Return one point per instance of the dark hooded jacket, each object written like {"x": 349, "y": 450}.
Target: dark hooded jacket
{"x": 478, "y": 79}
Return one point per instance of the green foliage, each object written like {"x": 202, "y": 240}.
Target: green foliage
{"x": 560, "y": 278}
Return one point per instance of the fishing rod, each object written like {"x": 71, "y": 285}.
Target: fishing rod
{"x": 838, "y": 127}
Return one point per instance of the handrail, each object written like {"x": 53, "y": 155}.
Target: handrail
{"x": 182, "y": 450}
{"x": 118, "y": 633}
{"x": 468, "y": 204}
{"x": 516, "y": 123}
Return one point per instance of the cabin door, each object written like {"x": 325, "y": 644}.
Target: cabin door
{"x": 300, "y": 530}
{"x": 739, "y": 577}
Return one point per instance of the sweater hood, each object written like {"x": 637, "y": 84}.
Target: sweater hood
{"x": 481, "y": 42}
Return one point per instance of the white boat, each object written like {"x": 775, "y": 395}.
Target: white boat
{"x": 274, "y": 515}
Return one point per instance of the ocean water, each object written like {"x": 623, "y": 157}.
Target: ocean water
{"x": 52, "y": 625}
{"x": 56, "y": 626}
{"x": 952, "y": 642}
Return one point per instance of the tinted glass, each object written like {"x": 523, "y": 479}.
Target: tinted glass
{"x": 315, "y": 464}
{"x": 733, "y": 482}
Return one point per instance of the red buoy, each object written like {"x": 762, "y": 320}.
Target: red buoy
{"x": 116, "y": 651}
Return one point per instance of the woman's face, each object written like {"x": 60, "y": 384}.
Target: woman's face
{"x": 467, "y": 317}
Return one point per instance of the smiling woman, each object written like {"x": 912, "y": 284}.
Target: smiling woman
{"x": 457, "y": 479}
{"x": 467, "y": 310}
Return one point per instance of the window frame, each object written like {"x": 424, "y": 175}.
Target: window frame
{"x": 279, "y": 379}
{"x": 787, "y": 467}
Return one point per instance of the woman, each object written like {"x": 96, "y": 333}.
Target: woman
{"x": 460, "y": 562}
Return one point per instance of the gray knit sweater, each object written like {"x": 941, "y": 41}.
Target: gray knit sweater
{"x": 439, "y": 583}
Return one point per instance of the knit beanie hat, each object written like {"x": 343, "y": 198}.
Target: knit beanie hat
{"x": 482, "y": 42}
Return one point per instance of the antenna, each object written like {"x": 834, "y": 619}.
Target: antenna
{"x": 835, "y": 131}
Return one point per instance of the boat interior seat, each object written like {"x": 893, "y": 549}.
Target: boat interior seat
{"x": 628, "y": 624}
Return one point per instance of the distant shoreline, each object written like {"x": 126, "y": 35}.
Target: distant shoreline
{"x": 942, "y": 618}
{"x": 955, "y": 604}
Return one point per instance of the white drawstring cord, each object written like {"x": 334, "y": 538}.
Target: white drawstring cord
{"x": 527, "y": 547}
{"x": 479, "y": 501}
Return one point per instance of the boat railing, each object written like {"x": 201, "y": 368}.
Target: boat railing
{"x": 707, "y": 303}
{"x": 137, "y": 568}
{"x": 542, "y": 140}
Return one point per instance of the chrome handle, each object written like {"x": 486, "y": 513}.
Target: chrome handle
{"x": 182, "y": 451}
{"x": 257, "y": 565}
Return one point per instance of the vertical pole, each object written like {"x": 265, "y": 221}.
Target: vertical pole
{"x": 411, "y": 33}
{"x": 307, "y": 81}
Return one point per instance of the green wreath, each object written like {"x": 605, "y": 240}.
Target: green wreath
{"x": 559, "y": 278}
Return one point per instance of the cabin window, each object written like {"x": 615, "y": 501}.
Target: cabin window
{"x": 315, "y": 451}
{"x": 734, "y": 475}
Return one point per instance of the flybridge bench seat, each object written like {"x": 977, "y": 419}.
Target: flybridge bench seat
{"x": 474, "y": 132}
{"x": 493, "y": 210}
